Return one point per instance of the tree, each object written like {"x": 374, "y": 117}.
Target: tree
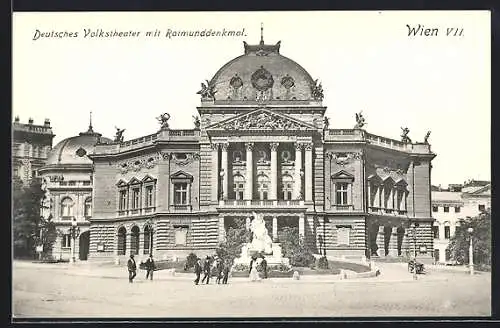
{"x": 236, "y": 236}
{"x": 481, "y": 240}
{"x": 27, "y": 221}
{"x": 295, "y": 249}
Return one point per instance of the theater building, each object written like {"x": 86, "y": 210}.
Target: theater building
{"x": 261, "y": 144}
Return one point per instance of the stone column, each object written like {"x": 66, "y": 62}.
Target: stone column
{"x": 224, "y": 168}
{"x": 301, "y": 226}
{"x": 298, "y": 167}
{"x": 308, "y": 172}
{"x": 249, "y": 169}
{"x": 275, "y": 229}
{"x": 274, "y": 170}
{"x": 222, "y": 230}
{"x": 215, "y": 172}
{"x": 369, "y": 195}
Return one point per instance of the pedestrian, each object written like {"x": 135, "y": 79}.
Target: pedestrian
{"x": 263, "y": 265}
{"x": 226, "y": 270}
{"x": 219, "y": 270}
{"x": 206, "y": 269}
{"x": 197, "y": 270}
{"x": 150, "y": 267}
{"x": 132, "y": 268}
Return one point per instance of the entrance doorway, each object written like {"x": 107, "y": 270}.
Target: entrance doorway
{"x": 84, "y": 245}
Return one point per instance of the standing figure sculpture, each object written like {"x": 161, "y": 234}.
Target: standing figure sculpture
{"x": 119, "y": 134}
{"x": 196, "y": 121}
{"x": 261, "y": 241}
{"x": 163, "y": 120}
{"x": 360, "y": 120}
{"x": 207, "y": 91}
{"x": 404, "y": 135}
{"x": 326, "y": 123}
{"x": 426, "y": 138}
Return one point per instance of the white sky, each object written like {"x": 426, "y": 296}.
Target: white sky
{"x": 365, "y": 61}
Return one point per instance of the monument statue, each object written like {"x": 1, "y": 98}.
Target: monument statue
{"x": 426, "y": 138}
{"x": 326, "y": 122}
{"x": 317, "y": 90}
{"x": 163, "y": 120}
{"x": 196, "y": 121}
{"x": 404, "y": 135}
{"x": 119, "y": 134}
{"x": 261, "y": 242}
{"x": 360, "y": 120}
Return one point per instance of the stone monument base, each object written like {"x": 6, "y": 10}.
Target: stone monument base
{"x": 275, "y": 258}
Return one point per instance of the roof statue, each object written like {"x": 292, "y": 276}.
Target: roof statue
{"x": 163, "y": 120}
{"x": 404, "y": 135}
{"x": 207, "y": 91}
{"x": 119, "y": 134}
{"x": 360, "y": 120}
{"x": 426, "y": 138}
{"x": 317, "y": 91}
{"x": 196, "y": 121}
{"x": 326, "y": 123}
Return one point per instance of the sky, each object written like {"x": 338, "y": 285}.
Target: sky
{"x": 366, "y": 61}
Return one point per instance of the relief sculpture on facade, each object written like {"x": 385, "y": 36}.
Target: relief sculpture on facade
{"x": 260, "y": 121}
{"x": 344, "y": 157}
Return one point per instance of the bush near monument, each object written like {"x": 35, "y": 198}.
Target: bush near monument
{"x": 295, "y": 249}
{"x": 236, "y": 236}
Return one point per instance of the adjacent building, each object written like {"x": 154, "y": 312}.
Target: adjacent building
{"x": 261, "y": 144}
{"x": 452, "y": 205}
{"x": 31, "y": 145}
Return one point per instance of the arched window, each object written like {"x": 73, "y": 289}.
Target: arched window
{"x": 87, "y": 209}
{"x": 134, "y": 240}
{"x": 287, "y": 187}
{"x": 148, "y": 239}
{"x": 239, "y": 186}
{"x": 263, "y": 186}
{"x": 122, "y": 243}
{"x": 67, "y": 207}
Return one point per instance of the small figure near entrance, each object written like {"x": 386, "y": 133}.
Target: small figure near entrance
{"x": 132, "y": 268}
{"x": 254, "y": 272}
{"x": 226, "y": 269}
{"x": 197, "y": 270}
{"x": 219, "y": 268}
{"x": 150, "y": 267}
{"x": 263, "y": 265}
{"x": 206, "y": 270}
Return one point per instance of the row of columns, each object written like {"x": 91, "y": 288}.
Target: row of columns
{"x": 392, "y": 203}
{"x": 275, "y": 226}
{"x": 249, "y": 146}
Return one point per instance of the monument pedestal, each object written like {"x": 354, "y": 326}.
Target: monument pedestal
{"x": 275, "y": 258}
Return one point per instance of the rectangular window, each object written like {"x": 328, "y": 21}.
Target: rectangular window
{"x": 240, "y": 194}
{"x": 66, "y": 241}
{"x": 180, "y": 193}
{"x": 123, "y": 200}
{"x": 136, "y": 200}
{"x": 481, "y": 208}
{"x": 446, "y": 209}
{"x": 341, "y": 193}
{"x": 435, "y": 208}
{"x": 181, "y": 235}
{"x": 447, "y": 232}
{"x": 343, "y": 234}
{"x": 457, "y": 209}
{"x": 435, "y": 232}
{"x": 149, "y": 196}
{"x": 289, "y": 195}
{"x": 264, "y": 195}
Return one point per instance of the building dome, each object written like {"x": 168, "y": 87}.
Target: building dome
{"x": 74, "y": 150}
{"x": 263, "y": 72}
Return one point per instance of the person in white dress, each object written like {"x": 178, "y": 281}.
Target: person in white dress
{"x": 254, "y": 273}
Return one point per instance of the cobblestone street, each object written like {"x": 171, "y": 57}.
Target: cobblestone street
{"x": 87, "y": 291}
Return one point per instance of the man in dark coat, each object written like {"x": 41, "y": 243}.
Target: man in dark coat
{"x": 132, "y": 268}
{"x": 150, "y": 267}
{"x": 220, "y": 269}
{"x": 206, "y": 270}
{"x": 197, "y": 270}
{"x": 226, "y": 270}
{"x": 263, "y": 265}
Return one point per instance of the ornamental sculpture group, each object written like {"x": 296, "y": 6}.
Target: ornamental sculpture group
{"x": 261, "y": 242}
{"x": 262, "y": 121}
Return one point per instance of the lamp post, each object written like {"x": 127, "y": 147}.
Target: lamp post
{"x": 414, "y": 232}
{"x": 75, "y": 232}
{"x": 471, "y": 252}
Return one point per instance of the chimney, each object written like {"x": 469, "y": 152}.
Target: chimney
{"x": 16, "y": 119}
{"x": 30, "y": 121}
{"x": 46, "y": 123}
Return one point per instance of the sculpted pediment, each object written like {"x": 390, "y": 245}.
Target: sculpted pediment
{"x": 261, "y": 119}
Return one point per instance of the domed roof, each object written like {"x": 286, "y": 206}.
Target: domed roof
{"x": 74, "y": 150}
{"x": 263, "y": 71}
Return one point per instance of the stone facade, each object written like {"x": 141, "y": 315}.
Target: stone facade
{"x": 260, "y": 145}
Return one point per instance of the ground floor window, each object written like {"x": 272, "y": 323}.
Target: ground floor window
{"x": 66, "y": 241}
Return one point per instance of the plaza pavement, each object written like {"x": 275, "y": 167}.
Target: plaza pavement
{"x": 89, "y": 290}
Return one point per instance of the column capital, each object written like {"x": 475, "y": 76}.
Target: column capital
{"x": 298, "y": 146}
{"x": 224, "y": 146}
{"x": 274, "y": 146}
{"x": 308, "y": 145}
{"x": 249, "y": 146}
{"x": 214, "y": 146}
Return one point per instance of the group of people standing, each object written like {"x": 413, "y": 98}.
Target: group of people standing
{"x": 132, "y": 268}
{"x": 258, "y": 263}
{"x": 211, "y": 267}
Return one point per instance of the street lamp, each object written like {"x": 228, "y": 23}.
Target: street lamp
{"x": 414, "y": 232}
{"x": 471, "y": 251}
{"x": 75, "y": 232}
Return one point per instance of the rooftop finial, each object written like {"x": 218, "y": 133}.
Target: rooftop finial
{"x": 90, "y": 123}
{"x": 261, "y": 33}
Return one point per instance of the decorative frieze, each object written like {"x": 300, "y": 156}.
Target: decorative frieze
{"x": 343, "y": 158}
{"x": 262, "y": 121}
